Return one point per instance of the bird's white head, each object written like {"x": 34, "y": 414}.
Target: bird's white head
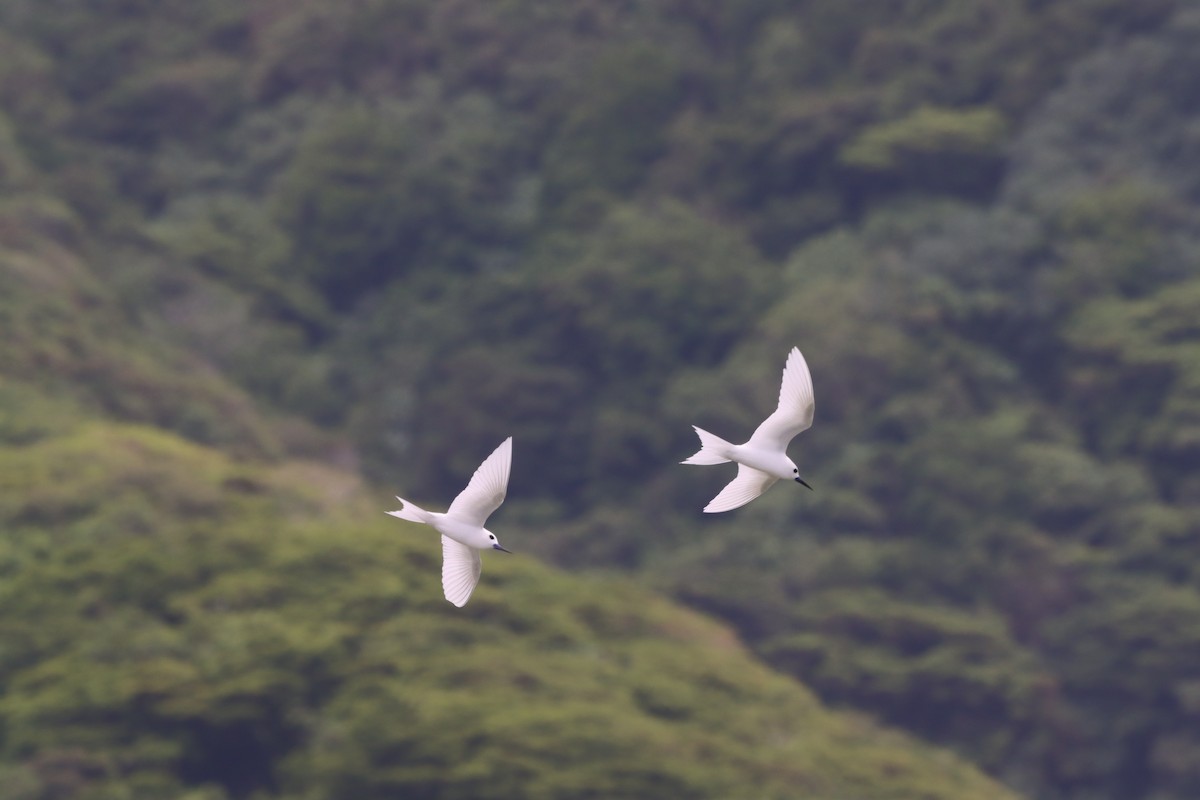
{"x": 778, "y": 466}
{"x": 796, "y": 475}
{"x": 488, "y": 541}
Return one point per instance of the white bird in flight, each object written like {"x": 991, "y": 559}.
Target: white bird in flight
{"x": 462, "y": 526}
{"x": 763, "y": 459}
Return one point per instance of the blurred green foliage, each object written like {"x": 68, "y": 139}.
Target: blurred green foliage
{"x": 177, "y": 621}
{"x": 252, "y": 251}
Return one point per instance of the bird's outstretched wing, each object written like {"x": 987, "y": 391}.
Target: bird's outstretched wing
{"x": 748, "y": 484}
{"x": 487, "y": 488}
{"x": 796, "y": 406}
{"x": 461, "y": 566}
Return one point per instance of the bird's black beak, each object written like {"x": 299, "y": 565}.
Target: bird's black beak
{"x": 803, "y": 482}
{"x": 501, "y": 549}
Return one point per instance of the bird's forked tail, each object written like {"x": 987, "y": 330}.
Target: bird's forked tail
{"x": 411, "y": 512}
{"x": 712, "y": 449}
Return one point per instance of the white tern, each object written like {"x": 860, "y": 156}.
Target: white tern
{"x": 462, "y": 526}
{"x": 763, "y": 459}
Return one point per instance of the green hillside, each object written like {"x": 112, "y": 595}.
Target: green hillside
{"x": 265, "y": 264}
{"x": 197, "y": 601}
{"x": 180, "y": 623}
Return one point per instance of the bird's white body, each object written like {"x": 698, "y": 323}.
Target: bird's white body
{"x": 462, "y": 525}
{"x": 462, "y": 532}
{"x": 773, "y": 462}
{"x": 762, "y": 460}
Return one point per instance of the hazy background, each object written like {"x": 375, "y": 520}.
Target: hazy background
{"x": 266, "y": 263}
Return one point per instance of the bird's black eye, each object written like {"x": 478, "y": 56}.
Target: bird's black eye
{"x": 796, "y": 470}
{"x": 492, "y": 536}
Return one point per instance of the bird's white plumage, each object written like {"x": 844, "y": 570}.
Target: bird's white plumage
{"x": 461, "y": 567}
{"x": 462, "y": 526}
{"x": 710, "y": 451}
{"x": 748, "y": 484}
{"x": 762, "y": 459}
{"x": 796, "y": 406}
{"x": 486, "y": 489}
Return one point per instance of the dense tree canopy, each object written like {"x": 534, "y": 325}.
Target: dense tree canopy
{"x": 264, "y": 260}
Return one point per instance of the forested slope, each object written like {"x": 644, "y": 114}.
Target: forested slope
{"x": 177, "y": 623}
{"x": 201, "y": 599}
{"x": 385, "y": 235}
